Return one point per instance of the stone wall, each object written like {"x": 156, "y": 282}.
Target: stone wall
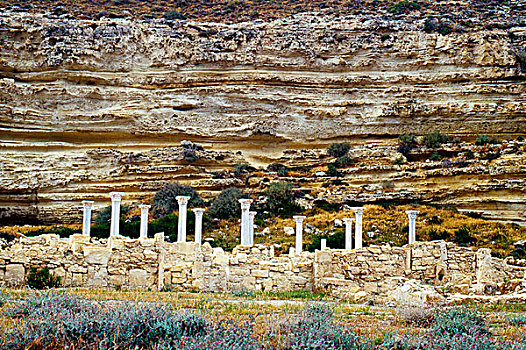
{"x": 368, "y": 273}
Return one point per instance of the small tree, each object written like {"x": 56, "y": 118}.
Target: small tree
{"x": 338, "y": 150}
{"x": 406, "y": 143}
{"x": 165, "y": 203}
{"x": 435, "y": 139}
{"x": 226, "y": 204}
{"x": 281, "y": 199}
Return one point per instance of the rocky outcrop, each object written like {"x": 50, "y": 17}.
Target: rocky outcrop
{"x": 89, "y": 106}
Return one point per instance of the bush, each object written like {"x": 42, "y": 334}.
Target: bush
{"x": 455, "y": 328}
{"x": 338, "y": 150}
{"x": 317, "y": 330}
{"x": 435, "y": 156}
{"x": 41, "y": 279}
{"x": 164, "y": 201}
{"x": 404, "y": 6}
{"x": 343, "y": 161}
{"x": 281, "y": 199}
{"x": 105, "y": 214}
{"x": 66, "y": 321}
{"x": 406, "y": 143}
{"x": 459, "y": 320}
{"x": 171, "y": 15}
{"x": 436, "y": 235}
{"x": 334, "y": 241}
{"x": 435, "y": 139}
{"x": 482, "y": 140}
{"x": 226, "y": 204}
{"x": 332, "y": 171}
{"x": 418, "y": 316}
{"x": 463, "y": 236}
{"x": 241, "y": 168}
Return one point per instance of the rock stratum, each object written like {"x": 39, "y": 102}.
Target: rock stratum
{"x": 93, "y": 106}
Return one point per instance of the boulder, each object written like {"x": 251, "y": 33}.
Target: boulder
{"x": 412, "y": 293}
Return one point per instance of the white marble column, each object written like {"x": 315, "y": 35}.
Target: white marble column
{"x": 358, "y": 212}
{"x": 144, "y": 220}
{"x": 299, "y": 232}
{"x": 411, "y": 214}
{"x": 181, "y": 227}
{"x": 115, "y": 212}
{"x": 348, "y": 233}
{"x": 245, "y": 219}
{"x": 323, "y": 244}
{"x": 198, "y": 224}
{"x": 251, "y": 216}
{"x": 86, "y": 222}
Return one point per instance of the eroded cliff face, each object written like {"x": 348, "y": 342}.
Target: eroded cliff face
{"x": 87, "y": 107}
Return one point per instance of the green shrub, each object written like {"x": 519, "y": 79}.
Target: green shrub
{"x": 334, "y": 241}
{"x": 435, "y": 156}
{"x": 332, "y": 171}
{"x": 41, "y": 278}
{"x": 280, "y": 199}
{"x": 105, "y": 214}
{"x": 241, "y": 168}
{"x": 398, "y": 160}
{"x": 338, "y": 150}
{"x": 406, "y": 143}
{"x": 435, "y": 139}
{"x": 343, "y": 161}
{"x": 520, "y": 138}
{"x": 404, "y": 6}
{"x": 485, "y": 140}
{"x": 171, "y": 15}
{"x": 458, "y": 320}
{"x": 463, "y": 236}
{"x": 435, "y": 234}
{"x": 165, "y": 202}
{"x": 226, "y": 204}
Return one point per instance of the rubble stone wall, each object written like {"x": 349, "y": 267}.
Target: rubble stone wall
{"x": 370, "y": 272}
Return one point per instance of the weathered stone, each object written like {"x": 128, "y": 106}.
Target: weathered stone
{"x": 15, "y": 275}
{"x": 138, "y": 278}
{"x": 97, "y": 256}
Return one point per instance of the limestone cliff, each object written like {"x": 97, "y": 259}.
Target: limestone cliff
{"x": 90, "y": 106}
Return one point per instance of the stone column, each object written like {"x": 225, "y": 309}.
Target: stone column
{"x": 358, "y": 212}
{"x": 181, "y": 227}
{"x": 86, "y": 222}
{"x": 245, "y": 218}
{"x": 144, "y": 220}
{"x": 115, "y": 212}
{"x": 323, "y": 244}
{"x": 348, "y": 233}
{"x": 411, "y": 214}
{"x": 299, "y": 232}
{"x": 251, "y": 216}
{"x": 198, "y": 224}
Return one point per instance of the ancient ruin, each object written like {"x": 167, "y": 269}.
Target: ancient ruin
{"x": 409, "y": 275}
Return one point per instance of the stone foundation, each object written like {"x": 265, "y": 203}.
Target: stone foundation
{"x": 432, "y": 269}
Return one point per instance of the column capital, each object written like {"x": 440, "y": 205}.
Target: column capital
{"x": 87, "y": 204}
{"x": 245, "y": 203}
{"x": 299, "y": 218}
{"x": 252, "y": 214}
{"x": 198, "y": 211}
{"x": 348, "y": 220}
{"x": 412, "y": 213}
{"x": 144, "y": 206}
{"x": 182, "y": 200}
{"x": 358, "y": 210}
{"x": 116, "y": 196}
